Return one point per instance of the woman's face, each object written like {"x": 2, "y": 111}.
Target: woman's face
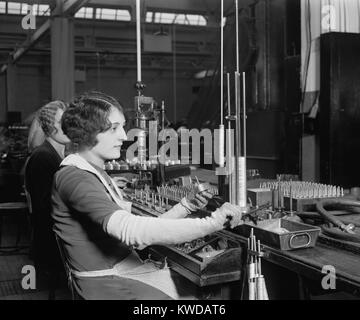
{"x": 109, "y": 142}
{"x": 58, "y": 135}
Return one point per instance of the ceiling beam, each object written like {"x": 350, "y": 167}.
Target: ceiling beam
{"x": 69, "y": 7}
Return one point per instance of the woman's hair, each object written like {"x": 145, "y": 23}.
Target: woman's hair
{"x": 86, "y": 117}
{"x": 46, "y": 116}
{"x": 36, "y": 135}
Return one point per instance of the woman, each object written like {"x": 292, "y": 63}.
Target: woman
{"x": 40, "y": 168}
{"x": 95, "y": 224}
{"x": 36, "y": 135}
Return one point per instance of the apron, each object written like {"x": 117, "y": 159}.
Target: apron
{"x": 132, "y": 267}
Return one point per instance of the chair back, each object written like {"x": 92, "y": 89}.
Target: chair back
{"x": 26, "y": 191}
{"x": 66, "y": 267}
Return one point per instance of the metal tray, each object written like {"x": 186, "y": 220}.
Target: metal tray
{"x": 283, "y": 234}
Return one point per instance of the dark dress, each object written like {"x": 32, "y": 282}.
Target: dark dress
{"x": 39, "y": 174}
{"x": 81, "y": 211}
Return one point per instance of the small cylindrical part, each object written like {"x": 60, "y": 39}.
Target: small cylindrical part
{"x": 251, "y": 290}
{"x": 142, "y": 146}
{"x": 221, "y": 145}
{"x": 252, "y": 273}
{"x": 241, "y": 187}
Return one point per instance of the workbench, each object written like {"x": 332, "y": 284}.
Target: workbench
{"x": 308, "y": 263}
{"x": 304, "y": 265}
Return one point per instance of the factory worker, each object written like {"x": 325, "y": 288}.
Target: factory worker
{"x": 94, "y": 223}
{"x": 36, "y": 135}
{"x": 39, "y": 173}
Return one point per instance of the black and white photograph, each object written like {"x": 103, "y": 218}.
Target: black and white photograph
{"x": 185, "y": 154}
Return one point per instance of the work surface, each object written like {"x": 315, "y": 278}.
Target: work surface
{"x": 310, "y": 263}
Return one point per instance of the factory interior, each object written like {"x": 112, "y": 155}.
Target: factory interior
{"x": 235, "y": 172}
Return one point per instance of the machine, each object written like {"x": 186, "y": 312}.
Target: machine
{"x": 283, "y": 214}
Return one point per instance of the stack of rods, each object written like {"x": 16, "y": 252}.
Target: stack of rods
{"x": 236, "y": 166}
{"x": 257, "y": 286}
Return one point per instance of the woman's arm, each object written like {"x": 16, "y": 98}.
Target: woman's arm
{"x": 144, "y": 231}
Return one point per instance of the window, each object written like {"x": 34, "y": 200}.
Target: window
{"x": 123, "y": 15}
{"x": 149, "y": 16}
{"x": 14, "y": 8}
{"x": 178, "y": 18}
{"x": 43, "y": 10}
{"x": 195, "y": 20}
{"x": 162, "y": 17}
{"x": 85, "y": 13}
{"x": 113, "y": 14}
{"x": 105, "y": 14}
{"x": 24, "y": 8}
{"x": 2, "y": 7}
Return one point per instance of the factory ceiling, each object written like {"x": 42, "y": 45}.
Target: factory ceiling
{"x": 204, "y": 6}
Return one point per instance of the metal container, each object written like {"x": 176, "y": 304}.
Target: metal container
{"x": 282, "y": 234}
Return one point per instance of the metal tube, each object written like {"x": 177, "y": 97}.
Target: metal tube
{"x": 138, "y": 41}
{"x": 162, "y": 115}
{"x": 291, "y": 198}
{"x": 244, "y": 115}
{"x": 237, "y": 137}
{"x": 222, "y": 63}
{"x": 221, "y": 127}
{"x": 229, "y": 159}
{"x": 242, "y": 163}
{"x": 174, "y": 73}
{"x": 237, "y": 34}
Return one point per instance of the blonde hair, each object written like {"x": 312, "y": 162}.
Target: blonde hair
{"x": 36, "y": 135}
{"x": 47, "y": 115}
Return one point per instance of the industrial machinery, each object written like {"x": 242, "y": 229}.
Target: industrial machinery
{"x": 285, "y": 215}
{"x": 149, "y": 165}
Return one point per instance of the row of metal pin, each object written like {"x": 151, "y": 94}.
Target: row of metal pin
{"x": 179, "y": 192}
{"x": 151, "y": 199}
{"x": 304, "y": 190}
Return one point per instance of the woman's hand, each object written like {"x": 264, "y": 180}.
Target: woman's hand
{"x": 197, "y": 201}
{"x": 228, "y": 214}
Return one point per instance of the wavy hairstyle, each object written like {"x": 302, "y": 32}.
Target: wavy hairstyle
{"x": 86, "y": 117}
{"x": 36, "y": 135}
{"x": 46, "y": 116}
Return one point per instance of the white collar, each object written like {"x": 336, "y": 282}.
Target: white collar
{"x": 78, "y": 161}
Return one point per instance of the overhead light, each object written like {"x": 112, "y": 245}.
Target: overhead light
{"x": 204, "y": 73}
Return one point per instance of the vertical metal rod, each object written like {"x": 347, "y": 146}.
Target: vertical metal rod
{"x": 174, "y": 73}
{"x": 228, "y": 97}
{"x": 162, "y": 115}
{"x": 291, "y": 198}
{"x": 230, "y": 155}
{"x": 244, "y": 114}
{"x": 237, "y": 33}
{"x": 222, "y": 63}
{"x": 138, "y": 41}
{"x": 237, "y": 137}
{"x": 221, "y": 127}
{"x": 243, "y": 168}
{"x": 279, "y": 193}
